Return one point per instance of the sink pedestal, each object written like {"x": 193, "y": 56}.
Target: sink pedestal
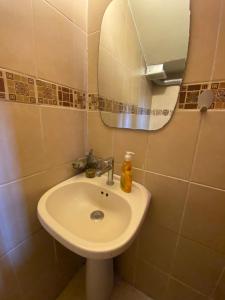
{"x": 99, "y": 279}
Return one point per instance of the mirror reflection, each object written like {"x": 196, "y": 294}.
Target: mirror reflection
{"x": 142, "y": 54}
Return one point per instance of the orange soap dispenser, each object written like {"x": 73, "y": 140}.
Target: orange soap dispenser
{"x": 126, "y": 173}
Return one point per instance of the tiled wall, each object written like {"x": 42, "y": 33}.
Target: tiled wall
{"x": 20, "y": 88}
{"x": 43, "y": 68}
{"x": 180, "y": 252}
{"x": 189, "y": 93}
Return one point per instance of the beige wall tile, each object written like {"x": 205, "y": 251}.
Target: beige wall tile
{"x": 171, "y": 149}
{"x": 130, "y": 140}
{"x": 96, "y": 9}
{"x": 209, "y": 166}
{"x": 198, "y": 266}
{"x": 219, "y": 72}
{"x": 18, "y": 210}
{"x": 93, "y": 48}
{"x": 220, "y": 291}
{"x": 76, "y": 11}
{"x": 35, "y": 267}
{"x": 21, "y": 143}
{"x": 9, "y": 288}
{"x": 137, "y": 174}
{"x": 58, "y": 174}
{"x": 151, "y": 281}
{"x": 53, "y": 31}
{"x": 202, "y": 42}
{"x": 157, "y": 245}
{"x": 64, "y": 134}
{"x": 178, "y": 291}
{"x": 167, "y": 202}
{"x": 126, "y": 263}
{"x": 17, "y": 43}
{"x": 68, "y": 262}
{"x": 204, "y": 219}
{"x": 100, "y": 137}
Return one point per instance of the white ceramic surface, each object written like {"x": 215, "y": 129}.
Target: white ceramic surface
{"x": 64, "y": 211}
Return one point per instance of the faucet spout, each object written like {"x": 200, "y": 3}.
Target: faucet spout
{"x": 107, "y": 165}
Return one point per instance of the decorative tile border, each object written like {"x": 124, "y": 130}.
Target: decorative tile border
{"x": 20, "y": 88}
{"x": 96, "y": 102}
{"x": 188, "y": 99}
{"x": 188, "y": 95}
{"x": 15, "y": 87}
{"x": 2, "y": 86}
{"x": 47, "y": 92}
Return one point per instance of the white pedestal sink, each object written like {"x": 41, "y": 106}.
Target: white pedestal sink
{"x": 96, "y": 221}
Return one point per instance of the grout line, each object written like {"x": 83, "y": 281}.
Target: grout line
{"x": 60, "y": 84}
{"x": 131, "y": 11}
{"x": 188, "y": 286}
{"x": 207, "y": 186}
{"x": 160, "y": 174}
{"x": 17, "y": 72}
{"x": 179, "y": 236}
{"x": 217, "y": 39}
{"x": 66, "y": 17}
{"x": 42, "y": 133}
{"x": 197, "y": 141}
{"x": 172, "y": 277}
{"x": 218, "y": 282}
{"x": 20, "y": 243}
{"x": 178, "y": 179}
{"x": 35, "y": 174}
{"x": 34, "y": 42}
{"x": 192, "y": 166}
{"x": 94, "y": 32}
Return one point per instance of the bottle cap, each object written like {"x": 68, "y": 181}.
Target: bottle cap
{"x": 128, "y": 156}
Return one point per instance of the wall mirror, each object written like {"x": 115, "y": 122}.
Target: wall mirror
{"x": 142, "y": 54}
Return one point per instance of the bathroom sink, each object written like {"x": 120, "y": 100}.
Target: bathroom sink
{"x": 93, "y": 219}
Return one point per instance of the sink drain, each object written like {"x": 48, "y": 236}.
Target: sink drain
{"x": 97, "y": 215}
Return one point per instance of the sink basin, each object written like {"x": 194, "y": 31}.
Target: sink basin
{"x": 96, "y": 221}
{"x": 91, "y": 218}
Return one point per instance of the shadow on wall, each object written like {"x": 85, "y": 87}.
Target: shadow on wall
{"x": 32, "y": 264}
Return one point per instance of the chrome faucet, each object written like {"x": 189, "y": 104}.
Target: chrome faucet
{"x": 102, "y": 165}
{"x": 83, "y": 163}
{"x": 106, "y": 165}
{"x": 80, "y": 165}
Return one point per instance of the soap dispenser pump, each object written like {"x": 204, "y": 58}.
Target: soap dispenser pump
{"x": 126, "y": 173}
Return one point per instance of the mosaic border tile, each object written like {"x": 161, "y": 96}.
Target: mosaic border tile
{"x": 2, "y": 86}
{"x": 96, "y": 102}
{"x": 16, "y": 87}
{"x": 187, "y": 99}
{"x": 20, "y": 88}
{"x": 188, "y": 95}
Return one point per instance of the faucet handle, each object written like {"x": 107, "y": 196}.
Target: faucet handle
{"x": 80, "y": 164}
{"x": 92, "y": 161}
{"x": 105, "y": 162}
